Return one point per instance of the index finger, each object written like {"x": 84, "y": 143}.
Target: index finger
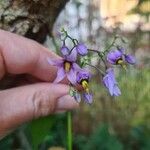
{"x": 20, "y": 55}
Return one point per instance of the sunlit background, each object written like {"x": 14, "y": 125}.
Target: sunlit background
{"x": 121, "y": 123}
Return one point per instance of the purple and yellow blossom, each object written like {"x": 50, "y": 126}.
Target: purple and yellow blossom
{"x": 110, "y": 83}
{"x": 118, "y": 57}
{"x": 67, "y": 67}
{"x": 83, "y": 79}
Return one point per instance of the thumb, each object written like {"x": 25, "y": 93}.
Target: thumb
{"x": 22, "y": 104}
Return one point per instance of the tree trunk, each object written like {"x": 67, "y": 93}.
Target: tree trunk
{"x": 33, "y": 19}
{"x": 30, "y": 18}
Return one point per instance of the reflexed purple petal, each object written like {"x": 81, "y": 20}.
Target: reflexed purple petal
{"x": 110, "y": 73}
{"x": 113, "y": 56}
{"x": 130, "y": 59}
{"x": 72, "y": 57}
{"x": 105, "y": 80}
{"x": 55, "y": 62}
{"x": 76, "y": 67}
{"x": 71, "y": 75}
{"x": 88, "y": 98}
{"x": 81, "y": 49}
{"x": 118, "y": 53}
{"x": 60, "y": 75}
{"x": 83, "y": 74}
{"x": 64, "y": 50}
{"x": 110, "y": 83}
{"x": 116, "y": 91}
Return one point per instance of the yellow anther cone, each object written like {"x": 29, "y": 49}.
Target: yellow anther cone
{"x": 67, "y": 66}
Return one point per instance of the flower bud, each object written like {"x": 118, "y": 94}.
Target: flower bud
{"x": 82, "y": 49}
{"x": 64, "y": 50}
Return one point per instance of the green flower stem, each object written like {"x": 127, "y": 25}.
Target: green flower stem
{"x": 99, "y": 70}
{"x": 55, "y": 44}
{"x": 112, "y": 44}
{"x": 69, "y": 127}
{"x": 75, "y": 41}
{"x": 100, "y": 54}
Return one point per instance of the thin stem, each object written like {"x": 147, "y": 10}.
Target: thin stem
{"x": 69, "y": 126}
{"x": 75, "y": 41}
{"x": 71, "y": 50}
{"x": 112, "y": 44}
{"x": 99, "y": 70}
{"x": 55, "y": 44}
{"x": 100, "y": 54}
{"x": 103, "y": 62}
{"x": 93, "y": 50}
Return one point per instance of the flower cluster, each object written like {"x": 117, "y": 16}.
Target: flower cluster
{"x": 70, "y": 67}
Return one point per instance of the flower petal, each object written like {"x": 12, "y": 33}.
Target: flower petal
{"x": 110, "y": 82}
{"x": 82, "y": 49}
{"x": 60, "y": 75}
{"x": 88, "y": 98}
{"x": 110, "y": 73}
{"x": 113, "y": 56}
{"x": 71, "y": 75}
{"x": 72, "y": 57}
{"x": 55, "y": 62}
{"x": 116, "y": 91}
{"x": 83, "y": 74}
{"x": 64, "y": 50}
{"x": 130, "y": 59}
{"x": 76, "y": 67}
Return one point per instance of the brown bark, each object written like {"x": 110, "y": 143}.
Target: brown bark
{"x": 30, "y": 18}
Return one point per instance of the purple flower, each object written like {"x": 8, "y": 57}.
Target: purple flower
{"x": 130, "y": 59}
{"x": 66, "y": 67}
{"x": 64, "y": 50}
{"x": 81, "y": 49}
{"x": 88, "y": 97}
{"x": 114, "y": 56}
{"x": 110, "y": 83}
{"x": 71, "y": 57}
{"x": 118, "y": 57}
{"x": 83, "y": 79}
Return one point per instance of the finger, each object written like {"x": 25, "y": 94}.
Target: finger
{"x": 20, "y": 55}
{"x": 66, "y": 102}
{"x": 22, "y": 104}
{"x": 10, "y": 81}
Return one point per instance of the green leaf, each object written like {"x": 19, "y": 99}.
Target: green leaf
{"x": 40, "y": 129}
{"x": 6, "y": 143}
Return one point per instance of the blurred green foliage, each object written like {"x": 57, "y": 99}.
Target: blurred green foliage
{"x": 39, "y": 129}
{"x": 103, "y": 139}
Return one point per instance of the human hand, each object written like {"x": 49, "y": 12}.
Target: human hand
{"x": 34, "y": 96}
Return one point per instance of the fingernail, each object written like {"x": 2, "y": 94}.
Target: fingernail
{"x": 66, "y": 102}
